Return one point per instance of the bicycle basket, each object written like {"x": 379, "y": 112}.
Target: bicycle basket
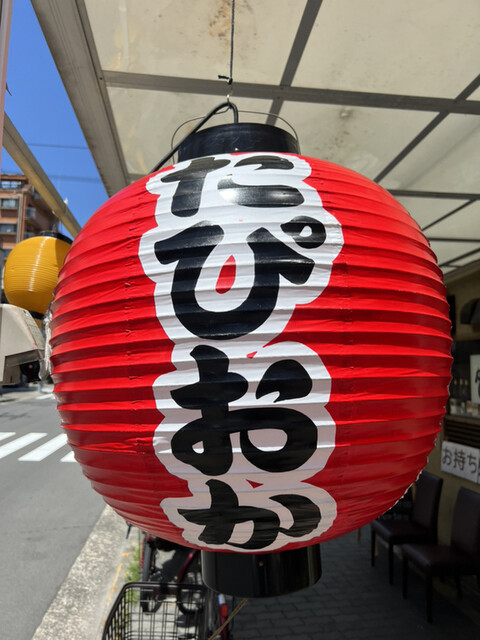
{"x": 150, "y": 611}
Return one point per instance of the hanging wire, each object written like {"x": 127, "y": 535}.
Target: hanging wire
{"x": 218, "y": 113}
{"x": 228, "y": 105}
{"x": 218, "y": 109}
{"x": 229, "y": 78}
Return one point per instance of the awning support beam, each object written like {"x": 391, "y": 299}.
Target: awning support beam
{"x": 24, "y": 158}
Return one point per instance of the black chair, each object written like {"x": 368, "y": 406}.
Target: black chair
{"x": 460, "y": 558}
{"x": 422, "y": 525}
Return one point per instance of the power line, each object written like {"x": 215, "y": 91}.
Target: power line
{"x": 57, "y": 146}
{"x": 73, "y": 178}
{"x": 59, "y": 177}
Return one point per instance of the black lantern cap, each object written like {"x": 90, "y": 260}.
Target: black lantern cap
{"x": 57, "y": 235}
{"x": 237, "y": 137}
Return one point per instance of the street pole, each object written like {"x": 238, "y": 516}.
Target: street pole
{"x": 5, "y": 22}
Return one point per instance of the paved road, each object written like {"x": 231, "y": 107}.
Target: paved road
{"x": 47, "y": 507}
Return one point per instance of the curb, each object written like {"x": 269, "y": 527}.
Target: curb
{"x": 81, "y": 606}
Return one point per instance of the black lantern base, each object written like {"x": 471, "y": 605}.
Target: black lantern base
{"x": 262, "y": 575}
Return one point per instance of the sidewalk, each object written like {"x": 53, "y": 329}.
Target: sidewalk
{"x": 30, "y": 390}
{"x": 81, "y": 606}
{"x": 353, "y": 601}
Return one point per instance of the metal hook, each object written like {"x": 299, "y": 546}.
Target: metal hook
{"x": 234, "y": 108}
{"x": 229, "y": 105}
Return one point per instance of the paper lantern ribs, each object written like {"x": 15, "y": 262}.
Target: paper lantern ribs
{"x": 251, "y": 351}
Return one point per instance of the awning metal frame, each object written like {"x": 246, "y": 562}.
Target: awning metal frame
{"x": 66, "y": 26}
{"x": 24, "y": 158}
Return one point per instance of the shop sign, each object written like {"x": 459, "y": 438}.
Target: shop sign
{"x": 461, "y": 460}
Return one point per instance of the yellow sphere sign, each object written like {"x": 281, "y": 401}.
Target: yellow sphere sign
{"x": 31, "y": 271}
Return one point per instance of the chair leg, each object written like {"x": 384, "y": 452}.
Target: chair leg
{"x": 390, "y": 563}
{"x": 429, "y": 595}
{"x": 372, "y": 547}
{"x": 404, "y": 577}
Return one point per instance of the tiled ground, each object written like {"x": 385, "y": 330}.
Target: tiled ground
{"x": 353, "y": 601}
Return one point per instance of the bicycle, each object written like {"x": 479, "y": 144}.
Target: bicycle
{"x": 182, "y": 568}
{"x": 128, "y": 619}
{"x": 217, "y": 606}
{"x": 219, "y": 613}
{"x": 171, "y": 602}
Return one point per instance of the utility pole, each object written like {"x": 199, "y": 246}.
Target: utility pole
{"x": 5, "y": 22}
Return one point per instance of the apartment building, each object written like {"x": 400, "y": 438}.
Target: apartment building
{"x": 23, "y": 213}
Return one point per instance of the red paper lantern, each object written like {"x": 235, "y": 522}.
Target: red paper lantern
{"x": 251, "y": 352}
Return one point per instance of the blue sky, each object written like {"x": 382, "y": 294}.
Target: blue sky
{"x": 40, "y": 110}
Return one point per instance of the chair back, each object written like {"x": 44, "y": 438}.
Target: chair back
{"x": 466, "y": 524}
{"x": 426, "y": 502}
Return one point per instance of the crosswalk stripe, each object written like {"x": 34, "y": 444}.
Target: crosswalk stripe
{"x": 44, "y": 450}
{"x": 7, "y": 434}
{"x": 19, "y": 443}
{"x": 68, "y": 458}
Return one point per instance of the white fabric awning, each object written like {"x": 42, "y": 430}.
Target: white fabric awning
{"x": 390, "y": 89}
